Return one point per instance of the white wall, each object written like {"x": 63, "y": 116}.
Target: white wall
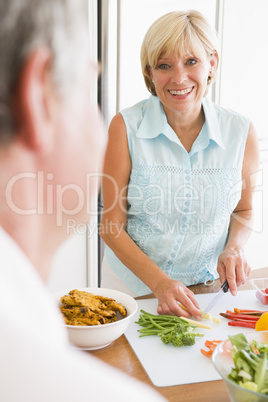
{"x": 69, "y": 270}
{"x": 244, "y": 88}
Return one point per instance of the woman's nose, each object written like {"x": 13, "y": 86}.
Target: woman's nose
{"x": 179, "y": 75}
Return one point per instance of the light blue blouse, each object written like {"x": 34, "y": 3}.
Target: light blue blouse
{"x": 179, "y": 203}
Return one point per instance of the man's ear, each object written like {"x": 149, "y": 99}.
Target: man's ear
{"x": 34, "y": 102}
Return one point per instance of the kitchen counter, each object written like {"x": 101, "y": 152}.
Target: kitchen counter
{"x": 120, "y": 355}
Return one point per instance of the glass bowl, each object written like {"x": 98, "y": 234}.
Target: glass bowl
{"x": 223, "y": 363}
{"x": 260, "y": 285}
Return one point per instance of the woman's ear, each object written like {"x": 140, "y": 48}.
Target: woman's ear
{"x": 214, "y": 59}
{"x": 34, "y": 101}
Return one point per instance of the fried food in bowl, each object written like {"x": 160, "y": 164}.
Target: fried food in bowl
{"x": 95, "y": 317}
{"x": 85, "y": 308}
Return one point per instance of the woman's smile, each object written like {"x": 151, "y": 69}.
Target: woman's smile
{"x": 181, "y": 92}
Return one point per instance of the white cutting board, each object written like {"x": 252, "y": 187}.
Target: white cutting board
{"x": 167, "y": 365}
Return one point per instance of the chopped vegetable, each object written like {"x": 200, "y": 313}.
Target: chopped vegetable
{"x": 182, "y": 306}
{"x": 201, "y": 312}
{"x": 207, "y": 316}
{"x": 262, "y": 323}
{"x": 179, "y": 338}
{"x": 251, "y": 364}
{"x": 243, "y": 318}
{"x": 170, "y": 329}
{"x": 195, "y": 323}
{"x": 211, "y": 345}
{"x": 217, "y": 320}
{"x": 246, "y": 324}
{"x": 262, "y": 295}
{"x": 249, "y": 312}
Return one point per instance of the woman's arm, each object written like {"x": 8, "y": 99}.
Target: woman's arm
{"x": 117, "y": 168}
{"x": 232, "y": 263}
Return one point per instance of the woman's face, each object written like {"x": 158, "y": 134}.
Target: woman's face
{"x": 180, "y": 82}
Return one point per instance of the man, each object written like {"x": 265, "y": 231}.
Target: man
{"x": 51, "y": 137}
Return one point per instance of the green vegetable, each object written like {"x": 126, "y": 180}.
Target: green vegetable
{"x": 169, "y": 328}
{"x": 240, "y": 341}
{"x": 251, "y": 364}
{"x": 261, "y": 347}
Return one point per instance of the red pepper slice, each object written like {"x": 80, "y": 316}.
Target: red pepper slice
{"x": 244, "y": 317}
{"x": 242, "y": 324}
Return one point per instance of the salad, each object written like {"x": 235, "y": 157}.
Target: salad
{"x": 251, "y": 364}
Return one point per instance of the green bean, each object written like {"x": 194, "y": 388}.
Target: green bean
{"x": 158, "y": 324}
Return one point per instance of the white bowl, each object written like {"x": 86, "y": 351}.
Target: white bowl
{"x": 98, "y": 336}
{"x": 223, "y": 362}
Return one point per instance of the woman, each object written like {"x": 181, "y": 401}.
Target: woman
{"x": 175, "y": 211}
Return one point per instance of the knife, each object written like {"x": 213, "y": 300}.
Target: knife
{"x": 223, "y": 290}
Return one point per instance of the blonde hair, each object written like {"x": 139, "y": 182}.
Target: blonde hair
{"x": 185, "y": 32}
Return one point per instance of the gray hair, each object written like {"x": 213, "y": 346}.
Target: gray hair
{"x": 61, "y": 25}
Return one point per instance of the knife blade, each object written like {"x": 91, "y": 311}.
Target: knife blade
{"x": 223, "y": 290}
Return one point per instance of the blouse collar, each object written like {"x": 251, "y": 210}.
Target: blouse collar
{"x": 155, "y": 122}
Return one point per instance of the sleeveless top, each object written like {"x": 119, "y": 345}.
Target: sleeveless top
{"x": 179, "y": 203}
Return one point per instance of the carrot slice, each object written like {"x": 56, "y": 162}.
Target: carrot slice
{"x": 211, "y": 345}
{"x": 253, "y": 312}
{"x": 206, "y": 353}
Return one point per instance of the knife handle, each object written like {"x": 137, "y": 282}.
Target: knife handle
{"x": 225, "y": 286}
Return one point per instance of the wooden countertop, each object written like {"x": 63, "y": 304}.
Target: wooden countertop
{"x": 120, "y": 355}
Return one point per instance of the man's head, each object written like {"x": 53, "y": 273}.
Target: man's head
{"x": 60, "y": 26}
{"x": 51, "y": 136}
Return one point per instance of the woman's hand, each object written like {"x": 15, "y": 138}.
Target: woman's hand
{"x": 170, "y": 293}
{"x": 233, "y": 266}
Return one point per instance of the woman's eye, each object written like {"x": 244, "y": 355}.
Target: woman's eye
{"x": 163, "y": 66}
{"x": 191, "y": 62}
